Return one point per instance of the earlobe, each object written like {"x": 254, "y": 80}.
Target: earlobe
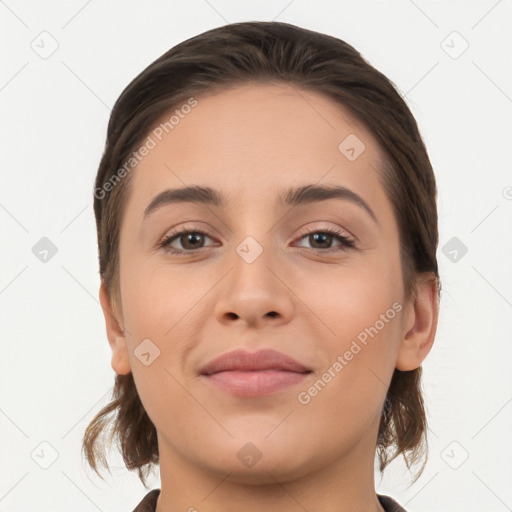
{"x": 120, "y": 360}
{"x": 115, "y": 334}
{"x": 420, "y": 325}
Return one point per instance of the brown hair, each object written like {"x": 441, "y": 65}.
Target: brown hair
{"x": 270, "y": 52}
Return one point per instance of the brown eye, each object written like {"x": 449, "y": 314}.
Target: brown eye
{"x": 321, "y": 240}
{"x": 189, "y": 241}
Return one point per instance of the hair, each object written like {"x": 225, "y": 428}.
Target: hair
{"x": 270, "y": 52}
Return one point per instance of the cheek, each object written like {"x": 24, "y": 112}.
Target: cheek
{"x": 153, "y": 296}
{"x": 348, "y": 391}
{"x": 357, "y": 319}
{"x": 158, "y": 316}
{"x": 348, "y": 299}
{"x": 163, "y": 312}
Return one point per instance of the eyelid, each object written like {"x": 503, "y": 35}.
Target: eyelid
{"x": 347, "y": 240}
{"x": 188, "y": 226}
{"x": 323, "y": 228}
{"x": 302, "y": 230}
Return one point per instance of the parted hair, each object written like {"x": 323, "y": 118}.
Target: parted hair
{"x": 269, "y": 52}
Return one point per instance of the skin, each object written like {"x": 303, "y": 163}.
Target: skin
{"x": 250, "y": 143}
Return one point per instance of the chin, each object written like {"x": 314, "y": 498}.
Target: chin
{"x": 258, "y": 462}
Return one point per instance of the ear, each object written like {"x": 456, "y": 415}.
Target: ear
{"x": 420, "y": 324}
{"x": 115, "y": 334}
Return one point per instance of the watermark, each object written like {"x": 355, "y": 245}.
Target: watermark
{"x": 45, "y": 45}
{"x": 44, "y": 249}
{"x": 304, "y": 397}
{"x": 351, "y": 146}
{"x": 454, "y": 45}
{"x": 455, "y": 455}
{"x": 44, "y": 455}
{"x": 146, "y": 352}
{"x": 249, "y": 454}
{"x": 454, "y": 249}
{"x": 151, "y": 141}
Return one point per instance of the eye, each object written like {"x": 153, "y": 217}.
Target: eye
{"x": 323, "y": 237}
{"x": 189, "y": 240}
{"x": 193, "y": 239}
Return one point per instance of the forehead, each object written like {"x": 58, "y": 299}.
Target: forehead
{"x": 255, "y": 139}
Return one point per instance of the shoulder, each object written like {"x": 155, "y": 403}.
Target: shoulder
{"x": 148, "y": 503}
{"x": 389, "y": 504}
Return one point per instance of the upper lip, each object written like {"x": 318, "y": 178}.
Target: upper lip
{"x": 265, "y": 359}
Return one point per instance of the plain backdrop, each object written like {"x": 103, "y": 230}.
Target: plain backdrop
{"x": 63, "y": 65}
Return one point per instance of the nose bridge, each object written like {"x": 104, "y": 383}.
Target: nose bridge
{"x": 253, "y": 289}
{"x": 254, "y": 240}
{"x": 253, "y": 258}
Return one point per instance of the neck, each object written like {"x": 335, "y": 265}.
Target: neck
{"x": 341, "y": 486}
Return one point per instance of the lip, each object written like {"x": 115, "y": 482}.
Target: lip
{"x": 243, "y": 373}
{"x": 265, "y": 359}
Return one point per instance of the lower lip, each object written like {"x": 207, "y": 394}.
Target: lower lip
{"x": 256, "y": 382}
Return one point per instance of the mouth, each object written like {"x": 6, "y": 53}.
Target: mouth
{"x": 256, "y": 382}
{"x": 265, "y": 372}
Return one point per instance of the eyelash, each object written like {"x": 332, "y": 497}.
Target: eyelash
{"x": 346, "y": 243}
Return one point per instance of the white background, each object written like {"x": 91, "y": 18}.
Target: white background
{"x": 55, "y": 371}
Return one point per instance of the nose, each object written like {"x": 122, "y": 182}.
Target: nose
{"x": 256, "y": 290}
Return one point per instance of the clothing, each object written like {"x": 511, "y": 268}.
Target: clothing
{"x": 148, "y": 504}
{"x": 389, "y": 504}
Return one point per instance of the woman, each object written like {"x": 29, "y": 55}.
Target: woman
{"x": 267, "y": 231}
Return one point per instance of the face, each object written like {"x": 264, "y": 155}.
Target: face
{"x": 317, "y": 279}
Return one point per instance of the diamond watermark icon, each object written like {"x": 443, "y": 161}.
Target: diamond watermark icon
{"x": 249, "y": 454}
{"x": 351, "y": 147}
{"x": 44, "y": 250}
{"x": 454, "y": 249}
{"x": 45, "y": 45}
{"x": 249, "y": 250}
{"x": 454, "y": 45}
{"x": 146, "y": 352}
{"x": 455, "y": 455}
{"x": 44, "y": 455}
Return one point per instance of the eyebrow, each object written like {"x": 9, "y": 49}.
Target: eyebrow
{"x": 289, "y": 197}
